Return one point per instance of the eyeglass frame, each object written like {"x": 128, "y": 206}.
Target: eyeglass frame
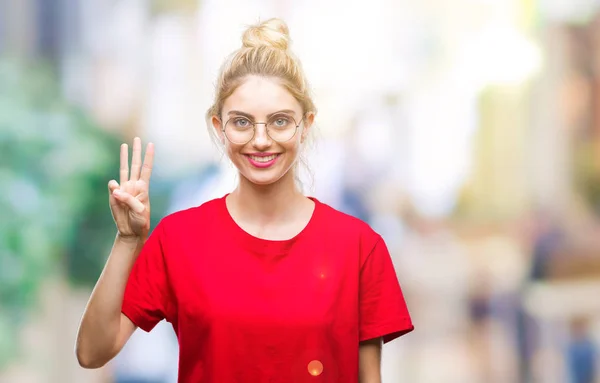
{"x": 297, "y": 125}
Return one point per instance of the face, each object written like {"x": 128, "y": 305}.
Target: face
{"x": 262, "y": 160}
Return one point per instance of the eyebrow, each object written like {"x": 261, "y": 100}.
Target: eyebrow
{"x": 248, "y": 115}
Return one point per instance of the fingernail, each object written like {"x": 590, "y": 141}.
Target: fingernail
{"x": 116, "y": 192}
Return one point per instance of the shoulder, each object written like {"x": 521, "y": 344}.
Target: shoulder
{"x": 196, "y": 216}
{"x": 338, "y": 220}
{"x": 338, "y": 224}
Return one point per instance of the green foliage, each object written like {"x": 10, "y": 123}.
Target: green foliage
{"x": 587, "y": 173}
{"x": 54, "y": 166}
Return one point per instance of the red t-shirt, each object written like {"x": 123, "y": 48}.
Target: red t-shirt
{"x": 252, "y": 310}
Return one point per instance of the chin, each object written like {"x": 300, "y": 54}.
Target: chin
{"x": 265, "y": 177}
{"x": 262, "y": 179}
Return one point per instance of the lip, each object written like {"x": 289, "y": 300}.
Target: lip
{"x": 261, "y": 154}
{"x": 262, "y": 165}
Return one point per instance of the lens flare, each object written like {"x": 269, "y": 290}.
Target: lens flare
{"x": 315, "y": 368}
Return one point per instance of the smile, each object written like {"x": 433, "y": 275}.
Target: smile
{"x": 262, "y": 161}
{"x": 263, "y": 158}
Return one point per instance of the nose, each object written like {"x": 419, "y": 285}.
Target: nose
{"x": 261, "y": 139}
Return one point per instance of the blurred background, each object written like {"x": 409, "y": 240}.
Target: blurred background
{"x": 466, "y": 132}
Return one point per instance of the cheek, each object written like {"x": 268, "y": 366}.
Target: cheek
{"x": 233, "y": 152}
{"x": 296, "y": 145}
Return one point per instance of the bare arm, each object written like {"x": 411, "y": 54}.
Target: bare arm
{"x": 369, "y": 361}
{"x": 104, "y": 330}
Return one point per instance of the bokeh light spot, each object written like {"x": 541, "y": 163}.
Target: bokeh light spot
{"x": 315, "y": 368}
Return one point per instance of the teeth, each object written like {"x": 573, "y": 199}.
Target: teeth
{"x": 263, "y": 159}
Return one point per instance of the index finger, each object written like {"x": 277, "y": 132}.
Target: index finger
{"x": 124, "y": 168}
{"x": 148, "y": 162}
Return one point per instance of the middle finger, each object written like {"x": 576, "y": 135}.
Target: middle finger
{"x": 136, "y": 159}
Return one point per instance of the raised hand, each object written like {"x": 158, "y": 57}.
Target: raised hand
{"x": 129, "y": 199}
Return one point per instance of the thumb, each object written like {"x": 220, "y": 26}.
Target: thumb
{"x": 132, "y": 202}
{"x": 112, "y": 186}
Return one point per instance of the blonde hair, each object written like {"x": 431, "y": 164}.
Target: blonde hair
{"x": 265, "y": 52}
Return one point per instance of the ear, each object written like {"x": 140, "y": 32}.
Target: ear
{"x": 308, "y": 122}
{"x": 218, "y": 126}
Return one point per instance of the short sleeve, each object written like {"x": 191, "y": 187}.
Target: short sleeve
{"x": 147, "y": 294}
{"x": 383, "y": 310}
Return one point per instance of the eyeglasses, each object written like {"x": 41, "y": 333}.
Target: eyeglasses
{"x": 241, "y": 130}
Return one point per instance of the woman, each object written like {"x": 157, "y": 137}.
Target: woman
{"x": 263, "y": 284}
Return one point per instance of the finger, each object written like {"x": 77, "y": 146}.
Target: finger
{"x": 142, "y": 197}
{"x": 136, "y": 159}
{"x": 129, "y": 200}
{"x": 148, "y": 162}
{"x": 112, "y": 186}
{"x": 124, "y": 167}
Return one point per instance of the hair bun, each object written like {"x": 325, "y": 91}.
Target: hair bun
{"x": 272, "y": 33}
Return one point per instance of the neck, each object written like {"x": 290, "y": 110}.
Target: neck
{"x": 267, "y": 203}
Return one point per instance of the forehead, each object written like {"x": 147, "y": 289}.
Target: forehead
{"x": 260, "y": 96}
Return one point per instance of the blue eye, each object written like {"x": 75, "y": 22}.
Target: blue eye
{"x": 242, "y": 123}
{"x": 280, "y": 122}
